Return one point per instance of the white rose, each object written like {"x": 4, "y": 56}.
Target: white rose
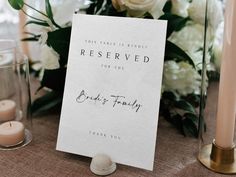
{"x": 157, "y": 11}
{"x": 50, "y": 58}
{"x": 197, "y": 11}
{"x": 137, "y": 8}
{"x": 216, "y": 15}
{"x": 189, "y": 38}
{"x": 180, "y": 7}
{"x": 119, "y": 5}
{"x": 215, "y": 12}
{"x": 181, "y": 77}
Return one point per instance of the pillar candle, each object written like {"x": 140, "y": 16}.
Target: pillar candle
{"x": 11, "y": 133}
{"x": 7, "y": 110}
{"x": 225, "y": 122}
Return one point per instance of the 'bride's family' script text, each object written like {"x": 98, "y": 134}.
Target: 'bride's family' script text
{"x": 114, "y": 100}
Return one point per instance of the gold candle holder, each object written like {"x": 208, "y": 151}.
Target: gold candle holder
{"x": 217, "y": 159}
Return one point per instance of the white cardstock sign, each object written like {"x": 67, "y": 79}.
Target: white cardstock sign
{"x": 112, "y": 89}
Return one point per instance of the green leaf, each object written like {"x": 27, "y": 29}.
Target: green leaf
{"x": 46, "y": 102}
{"x": 176, "y": 120}
{"x": 49, "y": 10}
{"x": 91, "y": 8}
{"x": 147, "y": 15}
{"x": 190, "y": 128}
{"x": 184, "y": 105}
{"x": 16, "y": 4}
{"x": 59, "y": 40}
{"x": 108, "y": 9}
{"x": 54, "y": 79}
{"x": 36, "y": 23}
{"x": 213, "y": 76}
{"x": 29, "y": 39}
{"x": 167, "y": 7}
{"x": 49, "y": 13}
{"x": 173, "y": 52}
{"x": 111, "y": 11}
{"x": 170, "y": 96}
{"x": 193, "y": 99}
{"x": 175, "y": 22}
{"x": 192, "y": 117}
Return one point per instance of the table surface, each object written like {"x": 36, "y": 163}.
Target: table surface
{"x": 175, "y": 154}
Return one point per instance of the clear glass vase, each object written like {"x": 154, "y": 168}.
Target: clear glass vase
{"x": 214, "y": 115}
{"x": 15, "y": 119}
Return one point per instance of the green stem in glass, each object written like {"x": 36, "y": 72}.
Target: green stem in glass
{"x": 201, "y": 122}
{"x": 53, "y": 22}
{"x": 33, "y": 17}
{"x": 36, "y": 10}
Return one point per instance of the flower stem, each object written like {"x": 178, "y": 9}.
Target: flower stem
{"x": 32, "y": 16}
{"x": 53, "y": 22}
{"x": 36, "y": 10}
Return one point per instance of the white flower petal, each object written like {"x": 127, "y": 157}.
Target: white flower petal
{"x": 50, "y": 58}
{"x": 180, "y": 7}
{"x": 215, "y": 12}
{"x": 137, "y": 8}
{"x": 181, "y": 77}
{"x": 156, "y": 10}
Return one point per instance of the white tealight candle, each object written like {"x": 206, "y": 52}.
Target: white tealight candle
{"x": 11, "y": 133}
{"x": 7, "y": 110}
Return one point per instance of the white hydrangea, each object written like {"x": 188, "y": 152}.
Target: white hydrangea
{"x": 215, "y": 12}
{"x": 50, "y": 58}
{"x": 191, "y": 39}
{"x": 180, "y": 7}
{"x": 181, "y": 77}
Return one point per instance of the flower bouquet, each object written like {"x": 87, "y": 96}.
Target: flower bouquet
{"x": 183, "y": 56}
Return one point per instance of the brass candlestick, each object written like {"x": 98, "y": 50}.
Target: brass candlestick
{"x": 217, "y": 159}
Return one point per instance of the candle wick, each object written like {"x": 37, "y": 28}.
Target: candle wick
{"x": 10, "y": 124}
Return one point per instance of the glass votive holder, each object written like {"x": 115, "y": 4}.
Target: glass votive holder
{"x": 15, "y": 119}
{"x": 217, "y": 150}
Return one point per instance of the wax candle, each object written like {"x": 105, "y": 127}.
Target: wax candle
{"x": 6, "y": 73}
{"x": 7, "y": 110}
{"x": 227, "y": 92}
{"x": 11, "y": 133}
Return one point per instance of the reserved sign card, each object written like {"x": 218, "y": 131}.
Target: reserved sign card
{"x": 113, "y": 87}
